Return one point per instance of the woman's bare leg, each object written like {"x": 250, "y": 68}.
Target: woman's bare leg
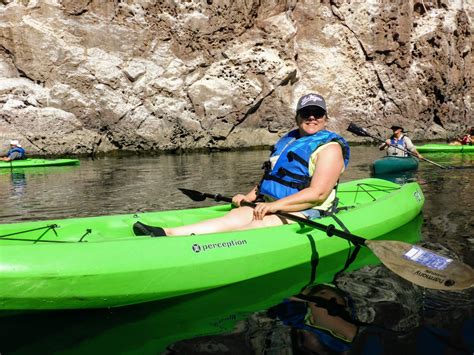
{"x": 237, "y": 219}
{"x": 234, "y": 219}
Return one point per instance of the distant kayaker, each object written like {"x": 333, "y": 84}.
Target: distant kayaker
{"x": 399, "y": 144}
{"x": 15, "y": 152}
{"x": 467, "y": 139}
{"x": 300, "y": 178}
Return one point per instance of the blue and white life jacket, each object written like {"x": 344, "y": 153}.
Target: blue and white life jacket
{"x": 290, "y": 172}
{"x": 397, "y": 147}
{"x": 19, "y": 150}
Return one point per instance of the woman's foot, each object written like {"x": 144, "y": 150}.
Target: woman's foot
{"x": 140, "y": 228}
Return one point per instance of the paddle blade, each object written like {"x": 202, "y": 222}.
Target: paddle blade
{"x": 423, "y": 267}
{"x": 193, "y": 195}
{"x": 353, "y": 128}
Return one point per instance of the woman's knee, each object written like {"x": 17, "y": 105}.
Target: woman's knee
{"x": 267, "y": 221}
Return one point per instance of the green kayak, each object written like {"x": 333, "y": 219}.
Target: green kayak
{"x": 210, "y": 312}
{"x": 97, "y": 262}
{"x": 30, "y": 163}
{"x": 445, "y": 148}
{"x": 389, "y": 164}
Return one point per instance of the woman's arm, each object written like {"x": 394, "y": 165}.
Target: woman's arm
{"x": 328, "y": 168}
{"x": 384, "y": 145}
{"x": 411, "y": 147}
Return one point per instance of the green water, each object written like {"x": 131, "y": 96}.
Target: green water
{"x": 117, "y": 185}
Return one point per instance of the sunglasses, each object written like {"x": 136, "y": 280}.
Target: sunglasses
{"x": 306, "y": 113}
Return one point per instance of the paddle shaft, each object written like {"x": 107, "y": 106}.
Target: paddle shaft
{"x": 330, "y": 229}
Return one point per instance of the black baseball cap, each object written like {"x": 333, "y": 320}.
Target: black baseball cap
{"x": 394, "y": 127}
{"x": 311, "y": 100}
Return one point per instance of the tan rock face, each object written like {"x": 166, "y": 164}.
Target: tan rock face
{"x": 102, "y": 75}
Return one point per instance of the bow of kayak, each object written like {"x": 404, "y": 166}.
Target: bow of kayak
{"x": 390, "y": 164}
{"x": 445, "y": 148}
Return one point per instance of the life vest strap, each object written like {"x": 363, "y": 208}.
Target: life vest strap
{"x": 284, "y": 172}
{"x": 292, "y": 184}
{"x": 293, "y": 156}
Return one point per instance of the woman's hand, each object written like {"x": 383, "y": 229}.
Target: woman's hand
{"x": 237, "y": 199}
{"x": 264, "y": 208}
{"x": 249, "y": 197}
{"x": 384, "y": 145}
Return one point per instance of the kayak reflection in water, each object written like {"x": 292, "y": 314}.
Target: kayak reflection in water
{"x": 300, "y": 178}
{"x": 322, "y": 320}
{"x": 18, "y": 185}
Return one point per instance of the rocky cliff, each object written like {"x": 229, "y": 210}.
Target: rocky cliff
{"x": 91, "y": 76}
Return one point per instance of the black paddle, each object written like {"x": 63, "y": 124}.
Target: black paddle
{"x": 353, "y": 128}
{"x": 416, "y": 264}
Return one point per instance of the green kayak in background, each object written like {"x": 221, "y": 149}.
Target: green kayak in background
{"x": 391, "y": 164}
{"x": 97, "y": 262}
{"x": 30, "y": 163}
{"x": 445, "y": 148}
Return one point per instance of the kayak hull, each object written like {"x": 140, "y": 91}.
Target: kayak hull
{"x": 97, "y": 262}
{"x": 31, "y": 163}
{"x": 445, "y": 148}
{"x": 389, "y": 164}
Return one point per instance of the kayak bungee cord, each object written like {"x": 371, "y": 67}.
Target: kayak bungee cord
{"x": 88, "y": 231}
{"x": 48, "y": 228}
{"x": 39, "y": 239}
{"x": 375, "y": 189}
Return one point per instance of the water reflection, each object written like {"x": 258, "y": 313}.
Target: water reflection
{"x": 18, "y": 185}
{"x": 149, "y": 328}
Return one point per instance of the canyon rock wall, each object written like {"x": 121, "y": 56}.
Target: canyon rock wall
{"x": 97, "y": 76}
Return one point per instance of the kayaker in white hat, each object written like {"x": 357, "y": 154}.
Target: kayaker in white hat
{"x": 399, "y": 145}
{"x": 15, "y": 152}
{"x": 300, "y": 178}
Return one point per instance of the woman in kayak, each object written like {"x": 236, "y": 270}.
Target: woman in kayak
{"x": 15, "y": 152}
{"x": 399, "y": 144}
{"x": 300, "y": 178}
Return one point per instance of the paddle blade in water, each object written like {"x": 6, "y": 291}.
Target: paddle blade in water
{"x": 193, "y": 195}
{"x": 423, "y": 267}
{"x": 353, "y": 128}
